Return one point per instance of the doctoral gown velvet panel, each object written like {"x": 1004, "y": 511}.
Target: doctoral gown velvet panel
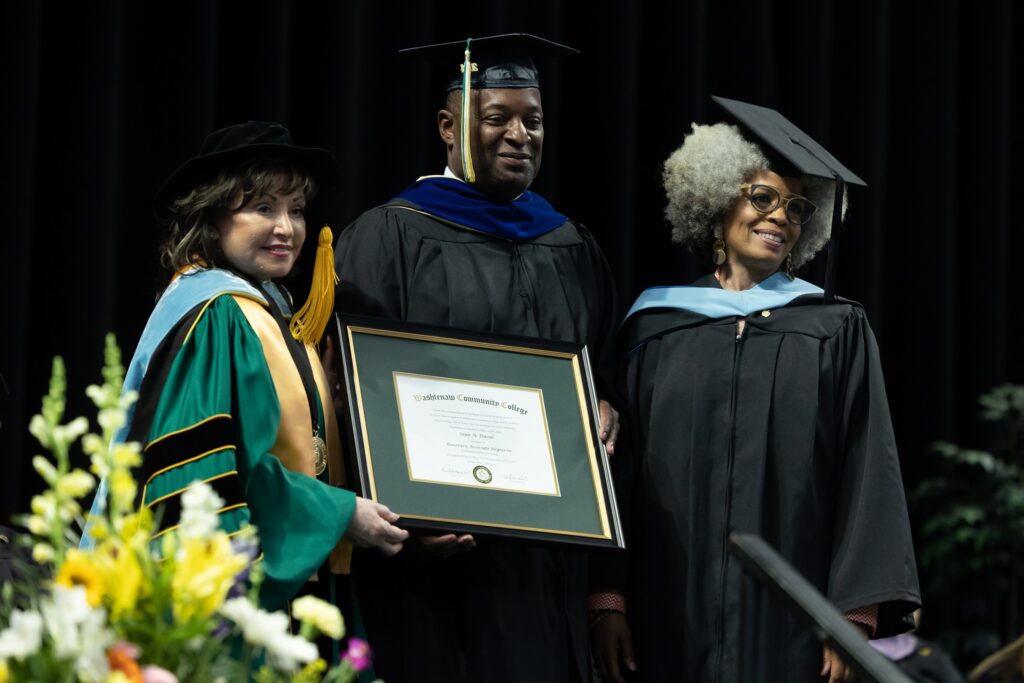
{"x": 783, "y": 431}
{"x": 212, "y": 408}
{"x": 499, "y": 612}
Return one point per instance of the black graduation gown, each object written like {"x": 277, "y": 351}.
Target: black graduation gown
{"x": 784, "y": 432}
{"x": 500, "y": 612}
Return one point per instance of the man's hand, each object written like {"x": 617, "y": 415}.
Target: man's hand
{"x": 612, "y": 643}
{"x": 609, "y": 425}
{"x": 447, "y": 545}
{"x": 373, "y": 526}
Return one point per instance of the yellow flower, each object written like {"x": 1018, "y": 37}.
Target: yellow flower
{"x": 99, "y": 528}
{"x": 311, "y": 673}
{"x": 122, "y": 489}
{"x": 136, "y": 528}
{"x": 5, "y": 673}
{"x": 204, "y": 573}
{"x": 79, "y": 570}
{"x": 76, "y": 483}
{"x": 123, "y": 575}
{"x": 126, "y": 454}
{"x": 323, "y": 615}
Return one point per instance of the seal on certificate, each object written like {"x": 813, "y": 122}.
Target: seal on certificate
{"x": 482, "y": 474}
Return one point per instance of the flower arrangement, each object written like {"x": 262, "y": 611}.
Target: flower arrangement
{"x": 182, "y": 607}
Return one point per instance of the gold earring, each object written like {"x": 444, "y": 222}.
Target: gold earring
{"x": 718, "y": 256}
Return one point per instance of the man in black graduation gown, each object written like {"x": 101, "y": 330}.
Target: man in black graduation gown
{"x": 475, "y": 249}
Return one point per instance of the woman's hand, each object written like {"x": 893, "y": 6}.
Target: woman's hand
{"x": 612, "y": 643}
{"x": 373, "y": 526}
{"x": 834, "y": 667}
{"x": 609, "y": 425}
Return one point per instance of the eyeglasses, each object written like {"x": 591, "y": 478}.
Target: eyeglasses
{"x": 765, "y": 199}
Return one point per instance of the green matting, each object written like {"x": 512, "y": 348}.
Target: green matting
{"x": 574, "y": 511}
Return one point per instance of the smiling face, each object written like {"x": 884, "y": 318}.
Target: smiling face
{"x": 507, "y": 137}
{"x": 758, "y": 242}
{"x": 262, "y": 238}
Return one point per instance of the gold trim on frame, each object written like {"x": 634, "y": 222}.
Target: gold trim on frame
{"x": 584, "y": 412}
{"x": 460, "y": 342}
{"x": 495, "y": 525}
{"x": 598, "y": 489}
{"x": 362, "y": 417}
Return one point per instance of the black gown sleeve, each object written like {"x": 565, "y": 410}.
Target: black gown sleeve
{"x": 603, "y": 356}
{"x": 368, "y": 261}
{"x": 872, "y": 551}
{"x": 609, "y": 570}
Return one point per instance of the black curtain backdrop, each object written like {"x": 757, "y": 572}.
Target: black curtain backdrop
{"x": 102, "y": 99}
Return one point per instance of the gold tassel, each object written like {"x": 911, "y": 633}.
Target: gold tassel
{"x": 310, "y": 321}
{"x": 468, "y": 174}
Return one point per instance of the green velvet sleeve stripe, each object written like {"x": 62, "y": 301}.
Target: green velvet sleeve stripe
{"x": 209, "y": 435}
{"x": 233, "y": 518}
{"x": 205, "y": 468}
{"x": 227, "y": 486}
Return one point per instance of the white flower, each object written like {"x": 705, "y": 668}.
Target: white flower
{"x": 45, "y": 469}
{"x": 45, "y": 505}
{"x": 199, "y": 505}
{"x": 98, "y": 394}
{"x": 325, "y": 616}
{"x": 127, "y": 399}
{"x": 37, "y": 525}
{"x": 67, "y": 434}
{"x": 111, "y": 419}
{"x": 24, "y": 636}
{"x": 91, "y": 664}
{"x": 42, "y": 553}
{"x": 92, "y": 444}
{"x": 79, "y": 632}
{"x": 269, "y": 630}
{"x": 63, "y": 613}
{"x": 288, "y": 651}
{"x": 40, "y": 428}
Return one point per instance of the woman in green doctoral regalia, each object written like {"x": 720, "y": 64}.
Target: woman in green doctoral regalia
{"x": 231, "y": 390}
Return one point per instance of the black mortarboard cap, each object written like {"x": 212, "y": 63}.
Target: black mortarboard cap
{"x": 793, "y": 152}
{"x": 504, "y": 61}
{"x": 795, "y": 149}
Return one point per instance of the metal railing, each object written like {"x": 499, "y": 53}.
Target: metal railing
{"x": 768, "y": 571}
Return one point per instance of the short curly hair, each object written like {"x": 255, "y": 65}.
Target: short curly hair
{"x": 702, "y": 181}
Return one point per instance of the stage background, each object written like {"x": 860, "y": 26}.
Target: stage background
{"x": 101, "y": 100}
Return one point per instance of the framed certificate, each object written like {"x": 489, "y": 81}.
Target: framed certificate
{"x": 476, "y": 433}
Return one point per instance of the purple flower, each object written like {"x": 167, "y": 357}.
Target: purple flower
{"x": 243, "y": 546}
{"x": 358, "y": 654}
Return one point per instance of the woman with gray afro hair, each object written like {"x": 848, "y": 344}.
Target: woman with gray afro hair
{"x": 703, "y": 179}
{"x": 755, "y": 404}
